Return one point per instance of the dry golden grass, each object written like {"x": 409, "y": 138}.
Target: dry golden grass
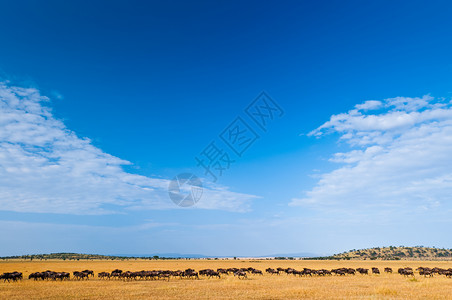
{"x": 384, "y": 286}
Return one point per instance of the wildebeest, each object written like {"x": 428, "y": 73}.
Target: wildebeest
{"x": 165, "y": 275}
{"x": 322, "y": 272}
{"x": 388, "y": 270}
{"x": 375, "y": 271}
{"x": 427, "y": 271}
{"x": 80, "y": 275}
{"x": 362, "y": 271}
{"x": 116, "y": 273}
{"x": 12, "y": 276}
{"x": 205, "y": 271}
{"x": 88, "y": 272}
{"x": 343, "y": 271}
{"x": 232, "y": 270}
{"x": 210, "y": 273}
{"x": 307, "y": 272}
{"x": 36, "y": 276}
{"x": 59, "y": 275}
{"x": 103, "y": 275}
{"x": 222, "y": 271}
{"x": 438, "y": 271}
{"x": 126, "y": 275}
{"x": 64, "y": 275}
{"x": 271, "y": 271}
{"x": 406, "y": 271}
{"x": 289, "y": 271}
{"x": 255, "y": 271}
{"x": 190, "y": 273}
{"x": 240, "y": 274}
{"x": 177, "y": 273}
{"x": 214, "y": 274}
{"x": 340, "y": 271}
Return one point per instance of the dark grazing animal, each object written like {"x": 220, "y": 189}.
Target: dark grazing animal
{"x": 289, "y": 271}
{"x": 164, "y": 275}
{"x": 362, "y": 271}
{"x": 222, "y": 271}
{"x": 240, "y": 274}
{"x": 58, "y": 275}
{"x": 307, "y": 272}
{"x": 406, "y": 271}
{"x": 427, "y": 272}
{"x": 205, "y": 271}
{"x": 232, "y": 270}
{"x": 322, "y": 272}
{"x": 116, "y": 273}
{"x": 80, "y": 275}
{"x": 103, "y": 275}
{"x": 12, "y": 276}
{"x": 37, "y": 276}
{"x": 89, "y": 272}
{"x": 214, "y": 274}
{"x": 255, "y": 271}
{"x": 271, "y": 271}
{"x": 210, "y": 273}
{"x": 190, "y": 273}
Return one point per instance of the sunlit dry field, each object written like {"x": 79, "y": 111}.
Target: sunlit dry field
{"x": 393, "y": 286}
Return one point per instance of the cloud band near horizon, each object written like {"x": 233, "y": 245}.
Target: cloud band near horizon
{"x": 47, "y": 168}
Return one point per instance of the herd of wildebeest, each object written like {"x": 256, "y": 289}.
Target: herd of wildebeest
{"x": 241, "y": 273}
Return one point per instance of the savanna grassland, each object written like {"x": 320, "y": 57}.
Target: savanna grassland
{"x": 384, "y": 286}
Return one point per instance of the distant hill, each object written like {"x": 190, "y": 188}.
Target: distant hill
{"x": 78, "y": 256}
{"x": 395, "y": 253}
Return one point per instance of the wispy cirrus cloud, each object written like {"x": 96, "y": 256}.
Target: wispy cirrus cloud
{"x": 45, "y": 167}
{"x": 399, "y": 159}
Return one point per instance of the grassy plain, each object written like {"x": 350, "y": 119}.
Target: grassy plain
{"x": 384, "y": 286}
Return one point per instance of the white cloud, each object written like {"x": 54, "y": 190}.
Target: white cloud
{"x": 45, "y": 167}
{"x": 400, "y": 158}
{"x": 368, "y": 105}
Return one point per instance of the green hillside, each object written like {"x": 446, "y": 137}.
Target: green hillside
{"x": 397, "y": 253}
{"x": 75, "y": 256}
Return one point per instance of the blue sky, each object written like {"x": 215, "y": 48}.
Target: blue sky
{"x": 134, "y": 91}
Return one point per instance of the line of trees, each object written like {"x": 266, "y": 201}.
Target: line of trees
{"x": 78, "y": 256}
